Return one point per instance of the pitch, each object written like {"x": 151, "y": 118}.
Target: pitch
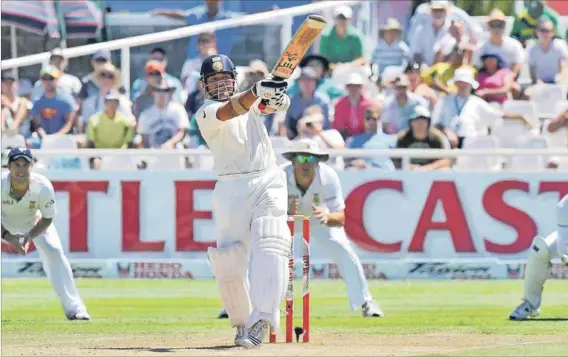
{"x": 177, "y": 317}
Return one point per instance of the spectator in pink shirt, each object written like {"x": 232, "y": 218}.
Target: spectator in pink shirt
{"x": 495, "y": 79}
{"x": 349, "y": 118}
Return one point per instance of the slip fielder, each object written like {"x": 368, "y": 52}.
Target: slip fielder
{"x": 28, "y": 210}
{"x": 249, "y": 200}
{"x": 542, "y": 251}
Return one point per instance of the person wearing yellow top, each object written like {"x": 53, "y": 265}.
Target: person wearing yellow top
{"x": 109, "y": 129}
{"x": 439, "y": 74}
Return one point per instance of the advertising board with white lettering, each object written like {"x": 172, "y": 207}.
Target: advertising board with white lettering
{"x": 389, "y": 216}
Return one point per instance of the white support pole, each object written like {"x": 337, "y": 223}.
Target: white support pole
{"x": 286, "y": 32}
{"x": 14, "y": 48}
{"x": 125, "y": 68}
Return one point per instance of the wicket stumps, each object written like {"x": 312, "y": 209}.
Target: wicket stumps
{"x": 292, "y": 220}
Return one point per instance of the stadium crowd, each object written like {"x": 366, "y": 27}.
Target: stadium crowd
{"x": 445, "y": 83}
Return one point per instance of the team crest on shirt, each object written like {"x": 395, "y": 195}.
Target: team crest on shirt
{"x": 32, "y": 205}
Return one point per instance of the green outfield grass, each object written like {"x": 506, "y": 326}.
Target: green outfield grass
{"x": 461, "y": 318}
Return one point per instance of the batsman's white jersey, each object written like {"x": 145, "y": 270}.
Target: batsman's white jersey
{"x": 19, "y": 217}
{"x": 326, "y": 189}
{"x": 250, "y": 209}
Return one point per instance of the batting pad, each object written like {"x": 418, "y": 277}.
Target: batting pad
{"x": 536, "y": 271}
{"x": 271, "y": 245}
{"x": 562, "y": 222}
{"x": 230, "y": 265}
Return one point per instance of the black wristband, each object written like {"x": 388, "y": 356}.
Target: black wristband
{"x": 4, "y": 234}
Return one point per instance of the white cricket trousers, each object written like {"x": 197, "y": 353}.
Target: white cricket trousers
{"x": 58, "y": 270}
{"x": 334, "y": 243}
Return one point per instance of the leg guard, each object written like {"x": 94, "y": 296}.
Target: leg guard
{"x": 536, "y": 271}
{"x": 270, "y": 247}
{"x": 230, "y": 266}
{"x": 562, "y": 223}
{"x": 58, "y": 271}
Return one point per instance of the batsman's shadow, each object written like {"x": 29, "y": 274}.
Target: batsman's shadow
{"x": 535, "y": 319}
{"x": 163, "y": 349}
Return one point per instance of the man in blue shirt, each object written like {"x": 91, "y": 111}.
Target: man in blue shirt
{"x": 54, "y": 112}
{"x": 306, "y": 97}
{"x": 372, "y": 138}
{"x": 210, "y": 12}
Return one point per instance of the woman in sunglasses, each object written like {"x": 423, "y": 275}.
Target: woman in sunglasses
{"x": 314, "y": 190}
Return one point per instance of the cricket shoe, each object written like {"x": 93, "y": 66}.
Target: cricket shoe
{"x": 240, "y": 336}
{"x": 372, "y": 309}
{"x": 256, "y": 334}
{"x": 79, "y": 315}
{"x": 523, "y": 311}
{"x": 223, "y": 314}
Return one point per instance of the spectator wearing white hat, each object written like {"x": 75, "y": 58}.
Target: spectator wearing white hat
{"x": 430, "y": 36}
{"x": 398, "y": 107}
{"x": 463, "y": 114}
{"x": 342, "y": 43}
{"x": 349, "y": 116}
{"x": 67, "y": 83}
{"x": 391, "y": 50}
{"x": 509, "y": 49}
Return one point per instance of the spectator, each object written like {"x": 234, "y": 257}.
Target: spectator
{"x": 342, "y": 43}
{"x": 398, "y": 107}
{"x": 67, "y": 83}
{"x": 422, "y": 17}
{"x": 548, "y": 58}
{"x": 108, "y": 80}
{"x": 109, "y": 129}
{"x": 495, "y": 79}
{"x": 420, "y": 135}
{"x": 440, "y": 73}
{"x": 165, "y": 123}
{"x": 429, "y": 36}
{"x": 325, "y": 84}
{"x": 526, "y": 21}
{"x": 159, "y": 54}
{"x": 349, "y": 117}
{"x": 561, "y": 121}
{"x": 212, "y": 11}
{"x": 509, "y": 49}
{"x": 391, "y": 50}
{"x": 15, "y": 109}
{"x": 90, "y": 84}
{"x": 54, "y": 112}
{"x": 311, "y": 126}
{"x": 417, "y": 85}
{"x": 307, "y": 96}
{"x": 463, "y": 114}
{"x": 372, "y": 138}
{"x": 190, "y": 72}
{"x": 144, "y": 99}
{"x": 457, "y": 38}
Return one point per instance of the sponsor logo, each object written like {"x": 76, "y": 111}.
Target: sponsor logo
{"x": 79, "y": 271}
{"x": 318, "y": 272}
{"x": 32, "y": 205}
{"x": 292, "y": 56}
{"x": 141, "y": 270}
{"x": 515, "y": 271}
{"x": 450, "y": 271}
{"x": 7, "y": 202}
{"x": 49, "y": 203}
{"x": 558, "y": 271}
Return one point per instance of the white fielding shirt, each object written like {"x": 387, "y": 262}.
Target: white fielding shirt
{"x": 18, "y": 217}
{"x": 240, "y": 145}
{"x": 325, "y": 185}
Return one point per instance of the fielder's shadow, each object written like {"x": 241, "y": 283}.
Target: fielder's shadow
{"x": 545, "y": 319}
{"x": 163, "y": 349}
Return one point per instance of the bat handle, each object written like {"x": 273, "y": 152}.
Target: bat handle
{"x": 263, "y": 103}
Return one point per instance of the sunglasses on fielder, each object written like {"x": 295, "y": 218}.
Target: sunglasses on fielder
{"x": 305, "y": 159}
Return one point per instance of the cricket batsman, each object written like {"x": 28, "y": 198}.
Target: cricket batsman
{"x": 541, "y": 252}
{"x": 249, "y": 200}
{"x": 314, "y": 190}
{"x": 28, "y": 210}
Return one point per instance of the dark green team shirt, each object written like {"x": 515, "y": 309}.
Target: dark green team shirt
{"x": 341, "y": 49}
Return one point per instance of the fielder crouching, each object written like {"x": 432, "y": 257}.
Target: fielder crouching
{"x": 28, "y": 210}
{"x": 314, "y": 190}
{"x": 542, "y": 251}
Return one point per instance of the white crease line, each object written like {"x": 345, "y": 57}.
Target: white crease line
{"x": 474, "y": 348}
{"x": 47, "y": 343}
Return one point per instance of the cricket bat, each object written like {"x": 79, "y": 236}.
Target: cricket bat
{"x": 296, "y": 49}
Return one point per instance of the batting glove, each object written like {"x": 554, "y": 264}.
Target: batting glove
{"x": 270, "y": 89}
{"x": 279, "y": 104}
